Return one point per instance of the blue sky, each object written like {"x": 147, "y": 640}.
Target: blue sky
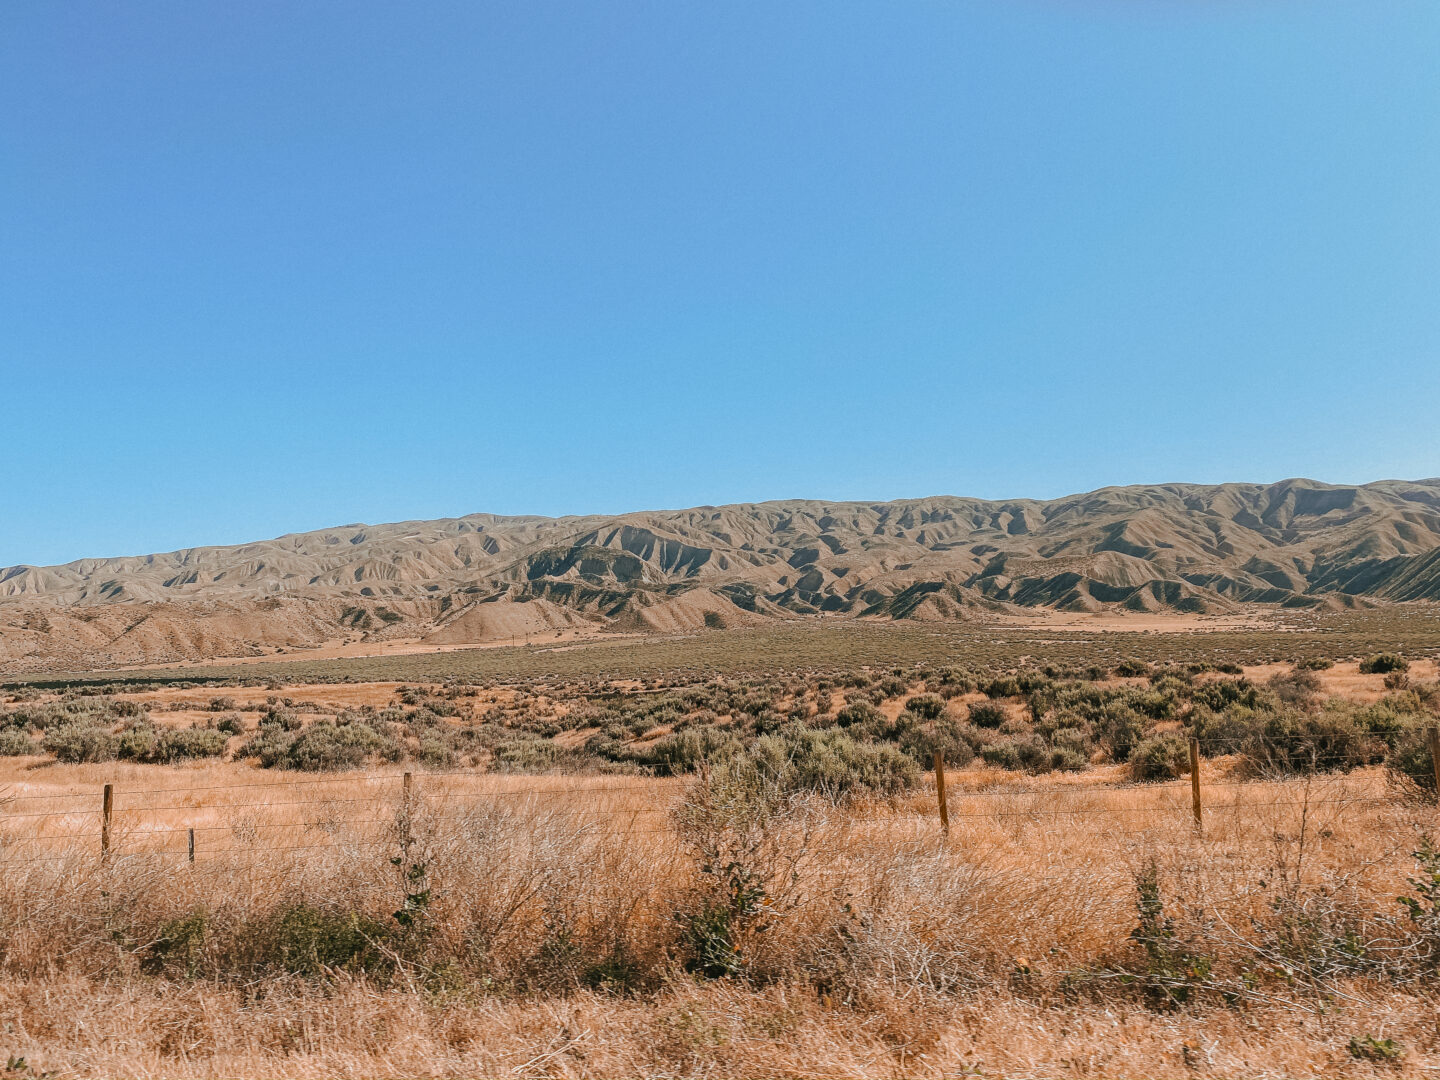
{"x": 268, "y": 267}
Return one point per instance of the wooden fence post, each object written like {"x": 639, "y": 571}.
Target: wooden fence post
{"x": 405, "y": 798}
{"x": 1195, "y": 782}
{"x": 192, "y": 846}
{"x": 1432, "y": 736}
{"x": 940, "y": 792}
{"x": 107, "y": 805}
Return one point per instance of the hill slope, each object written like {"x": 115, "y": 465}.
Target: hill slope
{"x": 1175, "y": 546}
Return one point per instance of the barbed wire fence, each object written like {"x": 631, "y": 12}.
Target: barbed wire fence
{"x": 173, "y": 824}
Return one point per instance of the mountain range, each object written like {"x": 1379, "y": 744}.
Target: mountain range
{"x": 1181, "y": 547}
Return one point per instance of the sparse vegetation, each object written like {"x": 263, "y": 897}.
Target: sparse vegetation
{"x": 729, "y": 844}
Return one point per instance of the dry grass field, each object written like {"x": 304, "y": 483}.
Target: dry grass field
{"x": 519, "y": 915}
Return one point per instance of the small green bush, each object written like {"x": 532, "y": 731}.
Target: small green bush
{"x": 1222, "y": 693}
{"x": 1160, "y": 757}
{"x": 1290, "y": 742}
{"x": 181, "y": 744}
{"x": 326, "y": 746}
{"x": 305, "y": 940}
{"x": 827, "y": 762}
{"x": 988, "y": 714}
{"x": 1005, "y": 686}
{"x": 684, "y": 751}
{"x": 1032, "y": 756}
{"x": 1297, "y": 688}
{"x": 1409, "y": 766}
{"x": 16, "y": 743}
{"x": 231, "y": 724}
{"x": 926, "y": 706}
{"x": 1383, "y": 663}
{"x": 1118, "y": 728}
{"x": 921, "y": 740}
{"x": 526, "y": 755}
{"x": 435, "y": 754}
{"x": 857, "y": 713}
{"x": 75, "y": 743}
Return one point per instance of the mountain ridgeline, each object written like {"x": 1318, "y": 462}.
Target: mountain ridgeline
{"x": 1181, "y": 547}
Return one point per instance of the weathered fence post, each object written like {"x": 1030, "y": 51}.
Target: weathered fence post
{"x": 1432, "y": 736}
{"x": 940, "y": 792}
{"x": 405, "y": 808}
{"x": 191, "y": 852}
{"x": 1195, "y": 782}
{"x": 107, "y": 805}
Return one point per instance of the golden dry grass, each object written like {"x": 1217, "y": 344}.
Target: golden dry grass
{"x": 555, "y": 924}
{"x": 894, "y": 952}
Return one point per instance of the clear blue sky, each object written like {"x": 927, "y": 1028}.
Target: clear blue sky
{"x": 267, "y": 267}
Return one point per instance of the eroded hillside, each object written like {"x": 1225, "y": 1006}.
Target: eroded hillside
{"x": 1192, "y": 548}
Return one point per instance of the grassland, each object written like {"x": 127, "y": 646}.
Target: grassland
{"x": 606, "y": 908}
{"x": 839, "y": 645}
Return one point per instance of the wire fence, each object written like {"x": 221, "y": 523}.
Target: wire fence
{"x": 208, "y": 820}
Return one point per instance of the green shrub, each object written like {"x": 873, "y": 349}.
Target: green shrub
{"x": 926, "y": 706}
{"x": 1382, "y": 663}
{"x": 1314, "y": 663}
{"x": 1001, "y": 755}
{"x": 1068, "y": 759}
{"x": 1033, "y": 756}
{"x": 953, "y": 682}
{"x": 1157, "y": 704}
{"x": 891, "y": 687}
{"x": 1225, "y": 732}
{"x": 1160, "y": 757}
{"x": 280, "y": 719}
{"x": 1118, "y": 728}
{"x": 181, "y": 744}
{"x": 857, "y": 713}
{"x": 1409, "y": 765}
{"x": 326, "y": 746}
{"x": 305, "y": 940}
{"x": 178, "y": 947}
{"x": 1076, "y": 742}
{"x": 1388, "y": 718}
{"x": 1222, "y": 693}
{"x": 828, "y": 762}
{"x": 1294, "y": 742}
{"x": 684, "y": 751}
{"x": 1298, "y": 688}
{"x": 1005, "y": 686}
{"x": 231, "y": 724}
{"x": 270, "y": 744}
{"x": 921, "y": 740}
{"x": 526, "y": 755}
{"x": 136, "y": 742}
{"x": 1380, "y": 1051}
{"x": 16, "y": 743}
{"x": 435, "y": 754}
{"x": 74, "y": 743}
{"x": 988, "y": 714}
